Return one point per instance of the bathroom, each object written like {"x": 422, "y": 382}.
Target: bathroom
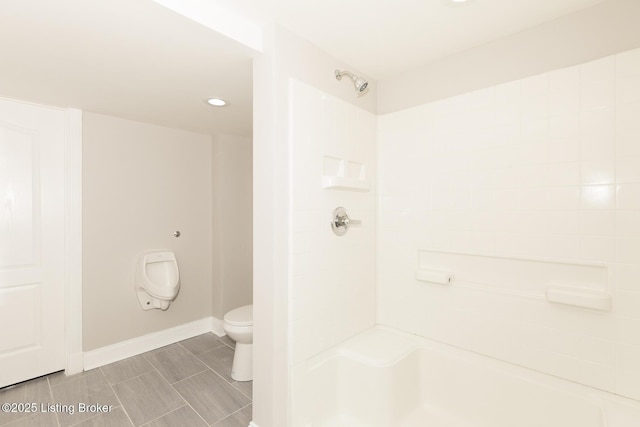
{"x": 443, "y": 199}
{"x": 156, "y": 169}
{"x": 509, "y": 168}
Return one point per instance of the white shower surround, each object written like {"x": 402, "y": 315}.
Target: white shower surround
{"x": 384, "y": 378}
{"x": 332, "y": 294}
{"x": 542, "y": 169}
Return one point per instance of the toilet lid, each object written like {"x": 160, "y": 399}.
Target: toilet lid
{"x": 242, "y": 316}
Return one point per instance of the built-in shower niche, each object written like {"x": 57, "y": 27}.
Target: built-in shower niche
{"x": 579, "y": 284}
{"x": 344, "y": 174}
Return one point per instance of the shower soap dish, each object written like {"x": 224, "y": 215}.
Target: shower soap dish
{"x": 580, "y": 297}
{"x": 434, "y": 276}
{"x": 344, "y": 174}
{"x": 344, "y": 183}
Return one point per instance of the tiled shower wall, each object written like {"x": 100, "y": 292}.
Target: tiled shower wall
{"x": 332, "y": 292}
{"x": 545, "y": 168}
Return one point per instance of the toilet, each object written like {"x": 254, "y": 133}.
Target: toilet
{"x": 238, "y": 324}
{"x": 157, "y": 279}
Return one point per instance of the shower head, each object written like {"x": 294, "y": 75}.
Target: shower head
{"x": 359, "y": 83}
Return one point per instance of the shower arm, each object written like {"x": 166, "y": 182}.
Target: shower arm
{"x": 339, "y": 74}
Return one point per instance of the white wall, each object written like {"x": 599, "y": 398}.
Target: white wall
{"x": 141, "y": 183}
{"x": 232, "y": 223}
{"x": 273, "y": 201}
{"x": 542, "y": 169}
{"x": 605, "y": 29}
{"x": 332, "y": 290}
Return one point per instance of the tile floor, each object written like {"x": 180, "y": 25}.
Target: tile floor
{"x": 184, "y": 384}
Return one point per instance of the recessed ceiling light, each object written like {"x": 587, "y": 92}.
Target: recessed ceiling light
{"x": 455, "y": 3}
{"x": 216, "y": 102}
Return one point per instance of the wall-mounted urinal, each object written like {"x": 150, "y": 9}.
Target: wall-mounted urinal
{"x": 157, "y": 280}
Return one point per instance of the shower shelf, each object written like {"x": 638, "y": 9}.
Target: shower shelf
{"x": 344, "y": 183}
{"x": 587, "y": 298}
{"x": 344, "y": 174}
{"x": 434, "y": 276}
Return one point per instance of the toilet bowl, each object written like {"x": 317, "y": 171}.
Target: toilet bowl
{"x": 157, "y": 279}
{"x": 238, "y": 324}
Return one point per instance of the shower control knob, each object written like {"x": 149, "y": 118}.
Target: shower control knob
{"x": 341, "y": 222}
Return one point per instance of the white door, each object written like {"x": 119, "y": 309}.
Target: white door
{"x": 31, "y": 241}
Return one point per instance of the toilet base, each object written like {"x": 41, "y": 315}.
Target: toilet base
{"x": 242, "y": 369}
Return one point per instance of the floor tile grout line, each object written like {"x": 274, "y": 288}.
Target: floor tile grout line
{"x": 163, "y": 415}
{"x": 232, "y": 414}
{"x": 132, "y": 378}
{"x": 194, "y": 409}
{"x": 189, "y": 405}
{"x": 206, "y": 351}
{"x": 248, "y": 397}
{"x": 216, "y": 372}
{"x": 178, "y": 392}
{"x": 165, "y": 380}
{"x": 53, "y": 399}
{"x": 190, "y": 376}
{"x": 155, "y": 368}
{"x": 26, "y": 414}
{"x": 152, "y": 368}
{"x": 118, "y": 398}
{"x": 209, "y": 368}
{"x": 232, "y": 348}
{"x": 114, "y": 393}
{"x": 79, "y": 376}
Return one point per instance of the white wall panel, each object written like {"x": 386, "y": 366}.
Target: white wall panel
{"x": 516, "y": 187}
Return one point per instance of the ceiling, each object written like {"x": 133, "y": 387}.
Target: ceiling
{"x": 381, "y": 38}
{"x": 127, "y": 58}
{"x": 137, "y": 60}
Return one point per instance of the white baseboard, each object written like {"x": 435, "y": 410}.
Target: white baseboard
{"x": 217, "y": 327}
{"x": 252, "y": 424}
{"x": 122, "y": 350}
{"x": 75, "y": 363}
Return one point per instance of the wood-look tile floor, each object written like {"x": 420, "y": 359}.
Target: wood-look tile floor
{"x": 184, "y": 384}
